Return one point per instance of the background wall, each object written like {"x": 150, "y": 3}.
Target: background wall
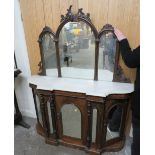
{"x": 123, "y": 14}
{"x": 22, "y": 89}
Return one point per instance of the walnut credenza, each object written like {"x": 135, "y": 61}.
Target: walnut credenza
{"x": 52, "y": 94}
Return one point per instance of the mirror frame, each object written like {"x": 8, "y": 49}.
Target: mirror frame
{"x": 42, "y": 67}
{"x": 81, "y": 16}
{"x": 109, "y": 28}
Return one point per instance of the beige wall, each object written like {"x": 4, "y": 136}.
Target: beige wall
{"x": 123, "y": 14}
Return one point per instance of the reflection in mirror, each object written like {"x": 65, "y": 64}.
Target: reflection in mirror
{"x": 39, "y": 110}
{"x": 49, "y": 52}
{"x": 50, "y": 117}
{"x": 94, "y": 125}
{"x": 71, "y": 120}
{"x": 77, "y": 50}
{"x": 107, "y": 52}
{"x": 114, "y": 122}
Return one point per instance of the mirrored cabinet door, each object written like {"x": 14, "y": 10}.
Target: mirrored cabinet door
{"x": 71, "y": 120}
{"x": 114, "y": 122}
{"x": 39, "y": 110}
{"x": 107, "y": 53}
{"x": 49, "y": 54}
{"x": 77, "y": 50}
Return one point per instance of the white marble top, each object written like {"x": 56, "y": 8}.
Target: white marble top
{"x": 90, "y": 87}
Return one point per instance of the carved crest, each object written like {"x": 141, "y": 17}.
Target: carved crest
{"x": 74, "y": 17}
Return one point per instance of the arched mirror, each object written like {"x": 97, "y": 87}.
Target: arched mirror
{"x": 107, "y": 54}
{"x": 48, "y": 52}
{"x": 77, "y": 50}
{"x": 114, "y": 122}
{"x": 71, "y": 121}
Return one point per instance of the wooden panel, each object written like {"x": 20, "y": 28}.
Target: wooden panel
{"x": 125, "y": 16}
{"x": 56, "y": 12}
{"x": 48, "y": 12}
{"x": 102, "y": 12}
{"x": 122, "y": 14}
{"x": 64, "y": 5}
{"x": 30, "y": 19}
{"x": 83, "y": 4}
{"x": 98, "y": 12}
{"x": 74, "y": 3}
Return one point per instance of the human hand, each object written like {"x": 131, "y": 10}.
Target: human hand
{"x": 120, "y": 36}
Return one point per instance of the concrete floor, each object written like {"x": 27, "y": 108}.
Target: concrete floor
{"x": 28, "y": 142}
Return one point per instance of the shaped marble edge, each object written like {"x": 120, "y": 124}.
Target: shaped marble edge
{"x": 89, "y": 87}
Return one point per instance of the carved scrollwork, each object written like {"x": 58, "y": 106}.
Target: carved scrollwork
{"x": 69, "y": 15}
{"x": 81, "y": 14}
{"x": 50, "y": 98}
{"x": 119, "y": 76}
{"x": 74, "y": 17}
{"x": 44, "y": 99}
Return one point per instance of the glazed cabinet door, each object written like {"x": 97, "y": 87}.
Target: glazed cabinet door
{"x": 72, "y": 119}
{"x": 46, "y": 114}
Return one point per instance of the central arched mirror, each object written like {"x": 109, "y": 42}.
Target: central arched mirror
{"x": 77, "y": 50}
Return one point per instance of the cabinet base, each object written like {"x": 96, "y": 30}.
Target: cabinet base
{"x": 90, "y": 151}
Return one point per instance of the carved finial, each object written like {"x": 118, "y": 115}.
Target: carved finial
{"x": 80, "y": 12}
{"x": 74, "y": 17}
{"x": 88, "y": 15}
{"x": 108, "y": 27}
{"x": 83, "y": 15}
{"x": 62, "y": 18}
{"x": 69, "y": 11}
{"x": 69, "y": 14}
{"x": 70, "y": 8}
